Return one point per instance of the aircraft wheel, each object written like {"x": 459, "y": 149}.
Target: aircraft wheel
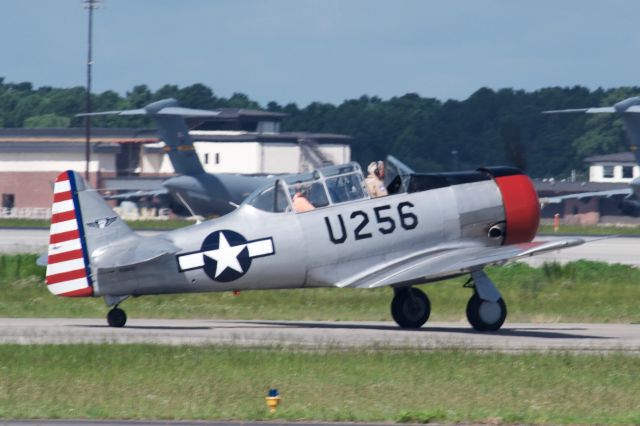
{"x": 484, "y": 315}
{"x": 117, "y": 317}
{"x": 410, "y": 308}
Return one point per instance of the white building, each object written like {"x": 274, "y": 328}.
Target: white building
{"x": 613, "y": 168}
{"x": 235, "y": 141}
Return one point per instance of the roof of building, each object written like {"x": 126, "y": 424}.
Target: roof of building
{"x": 286, "y": 137}
{"x": 618, "y": 157}
{"x": 241, "y": 113}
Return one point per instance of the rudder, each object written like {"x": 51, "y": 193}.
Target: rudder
{"x": 79, "y": 222}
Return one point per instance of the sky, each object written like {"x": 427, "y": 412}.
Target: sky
{"x": 324, "y": 50}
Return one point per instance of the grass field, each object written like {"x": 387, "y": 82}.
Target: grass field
{"x": 577, "y": 292}
{"x": 143, "y": 382}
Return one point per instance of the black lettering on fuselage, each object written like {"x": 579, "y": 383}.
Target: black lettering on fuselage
{"x": 343, "y": 236}
{"x": 358, "y": 231}
{"x": 406, "y": 218}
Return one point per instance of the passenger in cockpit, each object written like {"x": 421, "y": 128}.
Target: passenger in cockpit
{"x": 374, "y": 182}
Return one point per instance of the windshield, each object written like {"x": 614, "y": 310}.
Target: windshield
{"x": 272, "y": 198}
{"x": 304, "y": 192}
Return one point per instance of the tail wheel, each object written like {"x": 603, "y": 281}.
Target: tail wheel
{"x": 117, "y": 317}
{"x": 410, "y": 308}
{"x": 484, "y": 315}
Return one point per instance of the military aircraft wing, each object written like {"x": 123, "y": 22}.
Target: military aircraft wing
{"x": 134, "y": 195}
{"x": 593, "y": 110}
{"x": 583, "y": 195}
{"x": 448, "y": 261}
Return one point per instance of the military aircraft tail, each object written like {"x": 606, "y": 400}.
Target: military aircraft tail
{"x": 170, "y": 117}
{"x": 81, "y": 223}
{"x": 629, "y": 111}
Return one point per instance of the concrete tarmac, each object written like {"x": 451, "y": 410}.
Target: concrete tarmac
{"x": 513, "y": 337}
{"x": 179, "y": 423}
{"x": 612, "y": 250}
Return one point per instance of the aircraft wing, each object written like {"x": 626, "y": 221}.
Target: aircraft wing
{"x": 442, "y": 262}
{"x": 593, "y": 110}
{"x": 582, "y": 195}
{"x": 134, "y": 195}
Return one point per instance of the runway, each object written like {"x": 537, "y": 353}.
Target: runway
{"x": 513, "y": 337}
{"x": 612, "y": 250}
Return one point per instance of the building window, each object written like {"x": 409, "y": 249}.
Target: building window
{"x": 607, "y": 171}
{"x": 206, "y": 158}
{"x": 8, "y": 201}
{"x": 268, "y": 127}
{"x": 627, "y": 172}
{"x": 217, "y": 158}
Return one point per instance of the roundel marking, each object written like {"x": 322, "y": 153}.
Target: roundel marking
{"x": 225, "y": 255}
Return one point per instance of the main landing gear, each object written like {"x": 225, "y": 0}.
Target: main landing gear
{"x": 116, "y": 316}
{"x": 486, "y": 311}
{"x": 410, "y": 307}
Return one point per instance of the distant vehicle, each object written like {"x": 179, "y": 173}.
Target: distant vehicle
{"x": 198, "y": 192}
{"x": 431, "y": 227}
{"x": 629, "y": 111}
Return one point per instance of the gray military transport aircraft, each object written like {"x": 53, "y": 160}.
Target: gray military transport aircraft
{"x": 202, "y": 193}
{"x": 629, "y": 110}
{"x": 430, "y": 227}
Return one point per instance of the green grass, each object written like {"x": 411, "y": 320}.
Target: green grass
{"x": 142, "y": 382}
{"x": 578, "y": 292}
{"x": 591, "y": 230}
{"x": 135, "y": 224}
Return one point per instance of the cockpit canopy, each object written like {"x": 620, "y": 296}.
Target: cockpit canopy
{"x": 320, "y": 188}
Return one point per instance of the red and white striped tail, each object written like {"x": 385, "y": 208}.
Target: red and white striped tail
{"x": 68, "y": 271}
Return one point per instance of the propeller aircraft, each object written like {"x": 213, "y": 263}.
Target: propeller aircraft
{"x": 430, "y": 227}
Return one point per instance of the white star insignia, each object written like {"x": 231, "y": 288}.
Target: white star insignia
{"x": 226, "y": 256}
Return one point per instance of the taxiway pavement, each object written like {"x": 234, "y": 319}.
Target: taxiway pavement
{"x": 512, "y": 337}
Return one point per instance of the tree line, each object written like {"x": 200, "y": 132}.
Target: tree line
{"x": 490, "y": 127}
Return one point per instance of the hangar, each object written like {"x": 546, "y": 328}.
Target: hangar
{"x": 235, "y": 141}
{"x": 606, "y": 172}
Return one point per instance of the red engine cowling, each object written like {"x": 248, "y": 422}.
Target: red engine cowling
{"x": 521, "y": 205}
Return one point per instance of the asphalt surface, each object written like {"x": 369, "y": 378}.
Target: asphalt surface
{"x": 18, "y": 240}
{"x": 512, "y": 337}
{"x": 612, "y": 250}
{"x": 181, "y": 423}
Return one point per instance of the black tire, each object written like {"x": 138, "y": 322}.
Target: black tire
{"x": 117, "y": 317}
{"x": 484, "y": 315}
{"x": 410, "y": 308}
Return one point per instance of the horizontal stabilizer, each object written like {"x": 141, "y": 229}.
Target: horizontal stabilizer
{"x": 594, "y": 110}
{"x": 163, "y": 107}
{"x": 627, "y": 109}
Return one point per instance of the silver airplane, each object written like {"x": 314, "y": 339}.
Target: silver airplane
{"x": 430, "y": 227}
{"x": 201, "y": 193}
{"x": 629, "y": 111}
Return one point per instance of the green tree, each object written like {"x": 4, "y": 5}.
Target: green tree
{"x": 47, "y": 120}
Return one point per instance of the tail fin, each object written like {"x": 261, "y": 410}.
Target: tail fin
{"x": 628, "y": 109}
{"x": 81, "y": 222}
{"x": 170, "y": 119}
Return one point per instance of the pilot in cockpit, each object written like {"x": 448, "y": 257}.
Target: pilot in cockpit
{"x": 301, "y": 203}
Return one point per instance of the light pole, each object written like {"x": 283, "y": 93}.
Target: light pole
{"x": 90, "y": 5}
